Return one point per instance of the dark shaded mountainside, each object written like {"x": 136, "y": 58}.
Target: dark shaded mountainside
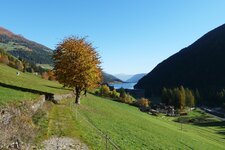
{"x": 199, "y": 66}
{"x": 107, "y": 78}
{"x": 123, "y": 77}
{"x": 135, "y": 78}
{"x": 23, "y": 48}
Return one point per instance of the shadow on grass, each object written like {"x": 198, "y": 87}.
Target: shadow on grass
{"x": 222, "y": 132}
{"x": 220, "y": 124}
{"x": 48, "y": 96}
{"x": 61, "y": 88}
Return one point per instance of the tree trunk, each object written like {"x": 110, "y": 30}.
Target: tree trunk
{"x": 77, "y": 98}
{"x": 85, "y": 92}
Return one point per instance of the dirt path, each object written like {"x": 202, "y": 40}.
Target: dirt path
{"x": 62, "y": 131}
{"x": 63, "y": 143}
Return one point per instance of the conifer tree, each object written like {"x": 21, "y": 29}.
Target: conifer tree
{"x": 181, "y": 97}
{"x": 189, "y": 99}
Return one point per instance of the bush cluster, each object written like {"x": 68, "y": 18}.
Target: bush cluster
{"x": 120, "y": 96}
{"x": 143, "y": 102}
{"x": 48, "y": 75}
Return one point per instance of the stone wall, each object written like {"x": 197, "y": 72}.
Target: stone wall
{"x": 16, "y": 125}
{"x": 16, "y": 121}
{"x": 58, "y": 98}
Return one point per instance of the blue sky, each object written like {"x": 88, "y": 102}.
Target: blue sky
{"x": 132, "y": 36}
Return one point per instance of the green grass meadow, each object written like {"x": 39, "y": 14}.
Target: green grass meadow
{"x": 10, "y": 95}
{"x": 25, "y": 80}
{"x": 129, "y": 128}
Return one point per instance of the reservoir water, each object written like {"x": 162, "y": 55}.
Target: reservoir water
{"x": 123, "y": 85}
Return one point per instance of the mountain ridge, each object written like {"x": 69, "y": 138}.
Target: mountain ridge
{"x": 135, "y": 78}
{"x": 198, "y": 66}
{"x": 23, "y": 48}
{"x": 107, "y": 78}
{"x": 123, "y": 76}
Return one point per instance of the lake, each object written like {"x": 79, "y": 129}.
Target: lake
{"x": 123, "y": 85}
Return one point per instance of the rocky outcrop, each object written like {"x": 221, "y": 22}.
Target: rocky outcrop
{"x": 16, "y": 126}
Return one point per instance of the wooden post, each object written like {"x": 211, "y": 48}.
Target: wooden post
{"x": 106, "y": 142}
{"x": 181, "y": 127}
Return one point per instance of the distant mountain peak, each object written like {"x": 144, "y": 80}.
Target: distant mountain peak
{"x": 135, "y": 78}
{"x": 123, "y": 76}
{"x": 6, "y": 32}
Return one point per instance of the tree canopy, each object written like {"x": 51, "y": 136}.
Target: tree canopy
{"x": 179, "y": 97}
{"x": 77, "y": 65}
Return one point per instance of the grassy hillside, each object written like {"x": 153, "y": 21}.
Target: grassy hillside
{"x": 10, "y": 95}
{"x": 21, "y": 47}
{"x": 126, "y": 125}
{"x": 129, "y": 128}
{"x": 27, "y": 81}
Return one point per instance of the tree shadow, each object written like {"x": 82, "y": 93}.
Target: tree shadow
{"x": 222, "y": 132}
{"x": 212, "y": 124}
{"x": 219, "y": 124}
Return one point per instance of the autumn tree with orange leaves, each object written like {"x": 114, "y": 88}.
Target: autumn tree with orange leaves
{"x": 77, "y": 65}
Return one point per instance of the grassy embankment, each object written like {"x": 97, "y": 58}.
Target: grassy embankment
{"x": 25, "y": 80}
{"x": 129, "y": 128}
{"x": 126, "y": 125}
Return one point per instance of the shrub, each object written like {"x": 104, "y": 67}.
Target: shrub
{"x": 126, "y": 98}
{"x": 97, "y": 92}
{"x": 114, "y": 94}
{"x": 120, "y": 96}
{"x": 4, "y": 59}
{"x": 49, "y": 75}
{"x": 104, "y": 91}
{"x": 19, "y": 65}
{"x": 45, "y": 75}
{"x": 143, "y": 102}
{"x": 122, "y": 93}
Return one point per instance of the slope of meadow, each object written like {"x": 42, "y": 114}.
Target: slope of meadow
{"x": 11, "y": 95}
{"x": 27, "y": 81}
{"x": 126, "y": 126}
{"x": 129, "y": 128}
